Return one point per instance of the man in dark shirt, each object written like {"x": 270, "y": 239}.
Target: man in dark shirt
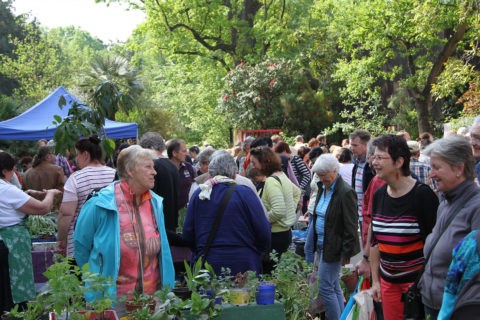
{"x": 167, "y": 183}
{"x": 177, "y": 152}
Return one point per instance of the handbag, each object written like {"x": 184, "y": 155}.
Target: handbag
{"x": 413, "y": 308}
{"x": 362, "y": 306}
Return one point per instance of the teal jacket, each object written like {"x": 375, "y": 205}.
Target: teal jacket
{"x": 96, "y": 239}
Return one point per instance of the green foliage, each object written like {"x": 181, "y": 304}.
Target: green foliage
{"x": 171, "y": 306}
{"x": 35, "y": 309}
{"x": 368, "y": 118}
{"x": 292, "y": 290}
{"x": 42, "y": 225}
{"x": 36, "y": 65}
{"x": 66, "y": 289}
{"x": 81, "y": 121}
{"x": 274, "y": 94}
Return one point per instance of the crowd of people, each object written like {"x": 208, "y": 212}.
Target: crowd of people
{"x": 410, "y": 208}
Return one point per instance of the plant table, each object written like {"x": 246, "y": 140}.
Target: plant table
{"x": 251, "y": 312}
{"x": 41, "y": 260}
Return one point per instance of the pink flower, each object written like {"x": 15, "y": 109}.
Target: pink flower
{"x": 271, "y": 64}
{"x": 229, "y": 72}
{"x": 258, "y": 96}
{"x": 233, "y": 91}
{"x": 226, "y": 97}
{"x": 242, "y": 63}
{"x": 272, "y": 83}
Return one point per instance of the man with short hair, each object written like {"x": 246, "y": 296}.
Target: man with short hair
{"x": 167, "y": 182}
{"x": 405, "y": 135}
{"x": 420, "y": 169}
{"x": 361, "y": 173}
{"x": 177, "y": 152}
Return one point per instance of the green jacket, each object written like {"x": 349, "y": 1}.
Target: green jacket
{"x": 340, "y": 238}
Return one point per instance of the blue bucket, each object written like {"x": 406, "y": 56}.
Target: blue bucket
{"x": 265, "y": 293}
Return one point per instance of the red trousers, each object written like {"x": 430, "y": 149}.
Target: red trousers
{"x": 392, "y": 299}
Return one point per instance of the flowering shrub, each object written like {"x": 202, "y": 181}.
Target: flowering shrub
{"x": 274, "y": 94}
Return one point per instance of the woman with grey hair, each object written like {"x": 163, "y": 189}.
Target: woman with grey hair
{"x": 120, "y": 231}
{"x": 243, "y": 231}
{"x": 334, "y": 227}
{"x": 453, "y": 168}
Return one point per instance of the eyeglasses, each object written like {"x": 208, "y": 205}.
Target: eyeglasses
{"x": 377, "y": 157}
{"x": 474, "y": 139}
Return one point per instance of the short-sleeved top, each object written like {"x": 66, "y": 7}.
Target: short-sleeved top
{"x": 78, "y": 187}
{"x": 400, "y": 228}
{"x": 12, "y": 199}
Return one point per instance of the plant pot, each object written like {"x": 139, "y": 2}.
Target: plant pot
{"x": 239, "y": 296}
{"x": 183, "y": 293}
{"x": 265, "y": 293}
{"x": 108, "y": 314}
{"x": 129, "y": 306}
{"x": 350, "y": 281}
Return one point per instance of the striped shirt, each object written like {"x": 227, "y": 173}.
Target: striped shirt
{"x": 399, "y": 231}
{"x": 359, "y": 186}
{"x": 78, "y": 187}
{"x": 301, "y": 172}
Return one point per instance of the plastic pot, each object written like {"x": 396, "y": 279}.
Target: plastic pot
{"x": 183, "y": 293}
{"x": 239, "y": 296}
{"x": 265, "y": 293}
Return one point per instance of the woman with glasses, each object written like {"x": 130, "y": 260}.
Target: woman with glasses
{"x": 403, "y": 214}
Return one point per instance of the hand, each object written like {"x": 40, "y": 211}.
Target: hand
{"x": 35, "y": 192}
{"x": 344, "y": 261}
{"x": 363, "y": 268}
{"x": 376, "y": 293}
{"x": 306, "y": 216}
{"x": 62, "y": 247}
{"x": 55, "y": 192}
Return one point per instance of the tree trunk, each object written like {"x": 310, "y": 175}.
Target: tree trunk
{"x": 422, "y": 106}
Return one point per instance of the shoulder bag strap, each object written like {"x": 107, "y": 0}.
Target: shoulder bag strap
{"x": 218, "y": 219}
{"x": 450, "y": 219}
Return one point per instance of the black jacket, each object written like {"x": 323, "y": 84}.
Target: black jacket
{"x": 341, "y": 223}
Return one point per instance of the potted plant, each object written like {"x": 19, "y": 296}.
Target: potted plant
{"x": 136, "y": 301}
{"x": 42, "y": 227}
{"x": 349, "y": 278}
{"x": 243, "y": 284}
{"x": 67, "y": 290}
{"x": 35, "y": 310}
{"x": 184, "y": 291}
{"x": 292, "y": 289}
{"x": 265, "y": 293}
{"x": 170, "y": 306}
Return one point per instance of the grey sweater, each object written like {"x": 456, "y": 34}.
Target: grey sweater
{"x": 467, "y": 219}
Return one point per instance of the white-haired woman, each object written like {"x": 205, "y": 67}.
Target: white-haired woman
{"x": 243, "y": 233}
{"x": 453, "y": 168}
{"x": 121, "y": 231}
{"x": 334, "y": 224}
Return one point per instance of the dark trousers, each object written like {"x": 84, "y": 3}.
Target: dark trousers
{"x": 6, "y": 301}
{"x": 280, "y": 242}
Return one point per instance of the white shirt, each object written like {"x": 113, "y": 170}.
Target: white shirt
{"x": 345, "y": 172}
{"x": 12, "y": 198}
